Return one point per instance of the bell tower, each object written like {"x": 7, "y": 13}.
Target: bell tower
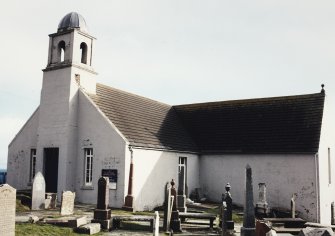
{"x": 68, "y": 76}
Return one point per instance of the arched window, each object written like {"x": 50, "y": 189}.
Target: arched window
{"x": 83, "y": 47}
{"x": 61, "y": 50}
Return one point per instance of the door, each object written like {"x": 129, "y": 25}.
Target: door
{"x": 51, "y": 169}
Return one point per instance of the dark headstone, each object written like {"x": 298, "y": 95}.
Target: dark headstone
{"x": 175, "y": 223}
{"x": 102, "y": 214}
{"x": 248, "y": 228}
{"x": 332, "y": 208}
{"x": 228, "y": 217}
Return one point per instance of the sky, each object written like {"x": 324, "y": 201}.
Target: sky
{"x": 173, "y": 51}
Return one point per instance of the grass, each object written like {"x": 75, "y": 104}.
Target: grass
{"x": 20, "y": 207}
{"x": 42, "y": 230}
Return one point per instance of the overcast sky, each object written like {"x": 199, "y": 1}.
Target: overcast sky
{"x": 173, "y": 51}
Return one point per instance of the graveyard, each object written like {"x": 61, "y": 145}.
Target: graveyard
{"x": 40, "y": 213}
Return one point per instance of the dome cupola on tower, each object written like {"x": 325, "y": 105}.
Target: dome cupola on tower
{"x": 73, "y": 20}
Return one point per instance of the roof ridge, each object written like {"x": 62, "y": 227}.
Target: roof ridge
{"x": 133, "y": 94}
{"x": 252, "y": 100}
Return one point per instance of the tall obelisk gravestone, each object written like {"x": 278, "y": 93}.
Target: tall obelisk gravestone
{"x": 248, "y": 228}
{"x": 175, "y": 223}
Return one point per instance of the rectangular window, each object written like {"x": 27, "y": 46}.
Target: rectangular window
{"x": 32, "y": 164}
{"x": 88, "y": 166}
{"x": 329, "y": 168}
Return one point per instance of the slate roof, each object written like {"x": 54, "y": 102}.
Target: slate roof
{"x": 288, "y": 124}
{"x": 144, "y": 122}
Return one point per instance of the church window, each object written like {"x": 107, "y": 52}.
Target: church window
{"x": 88, "y": 166}
{"x": 329, "y": 168}
{"x": 83, "y": 48}
{"x": 32, "y": 164}
{"x": 61, "y": 50}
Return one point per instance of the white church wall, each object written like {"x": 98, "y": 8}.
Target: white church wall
{"x": 19, "y": 150}
{"x": 153, "y": 169}
{"x": 283, "y": 175}
{"x": 327, "y": 162}
{"x": 95, "y": 131}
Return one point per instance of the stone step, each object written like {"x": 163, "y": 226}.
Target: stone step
{"x": 91, "y": 228}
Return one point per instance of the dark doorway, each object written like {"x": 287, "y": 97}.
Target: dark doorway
{"x": 51, "y": 169}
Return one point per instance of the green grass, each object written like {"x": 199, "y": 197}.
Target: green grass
{"x": 20, "y": 207}
{"x": 42, "y": 230}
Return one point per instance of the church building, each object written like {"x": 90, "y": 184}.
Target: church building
{"x": 83, "y": 130}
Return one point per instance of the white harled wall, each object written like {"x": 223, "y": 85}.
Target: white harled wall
{"x": 95, "y": 131}
{"x": 152, "y": 170}
{"x": 284, "y": 175}
{"x": 18, "y": 162}
{"x": 326, "y": 168}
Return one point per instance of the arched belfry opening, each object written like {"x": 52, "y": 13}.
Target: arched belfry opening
{"x": 61, "y": 51}
{"x": 83, "y": 47}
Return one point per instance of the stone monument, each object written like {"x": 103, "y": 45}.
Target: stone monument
{"x": 262, "y": 207}
{"x": 102, "y": 214}
{"x": 248, "y": 228}
{"x": 293, "y": 206}
{"x": 67, "y": 204}
{"x": 167, "y": 207}
{"x": 332, "y": 214}
{"x": 38, "y": 192}
{"x": 7, "y": 206}
{"x": 129, "y": 199}
{"x": 181, "y": 190}
{"x": 228, "y": 213}
{"x": 175, "y": 223}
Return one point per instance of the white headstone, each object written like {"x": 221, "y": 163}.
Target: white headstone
{"x": 156, "y": 223}
{"x": 7, "y": 206}
{"x": 38, "y": 192}
{"x": 67, "y": 204}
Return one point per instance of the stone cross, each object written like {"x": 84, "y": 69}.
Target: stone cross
{"x": 262, "y": 205}
{"x": 293, "y": 206}
{"x": 248, "y": 228}
{"x": 175, "y": 224}
{"x": 229, "y": 208}
{"x": 102, "y": 214}
{"x": 38, "y": 192}
{"x": 7, "y": 206}
{"x": 67, "y": 204}
{"x": 181, "y": 189}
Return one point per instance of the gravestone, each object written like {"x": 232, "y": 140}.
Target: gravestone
{"x": 156, "y": 223}
{"x": 293, "y": 206}
{"x": 228, "y": 217}
{"x": 332, "y": 214}
{"x": 167, "y": 206}
{"x": 262, "y": 207}
{"x": 7, "y": 206}
{"x": 38, "y": 192}
{"x": 67, "y": 204}
{"x": 181, "y": 190}
{"x": 102, "y": 214}
{"x": 175, "y": 223}
{"x": 50, "y": 200}
{"x": 248, "y": 228}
